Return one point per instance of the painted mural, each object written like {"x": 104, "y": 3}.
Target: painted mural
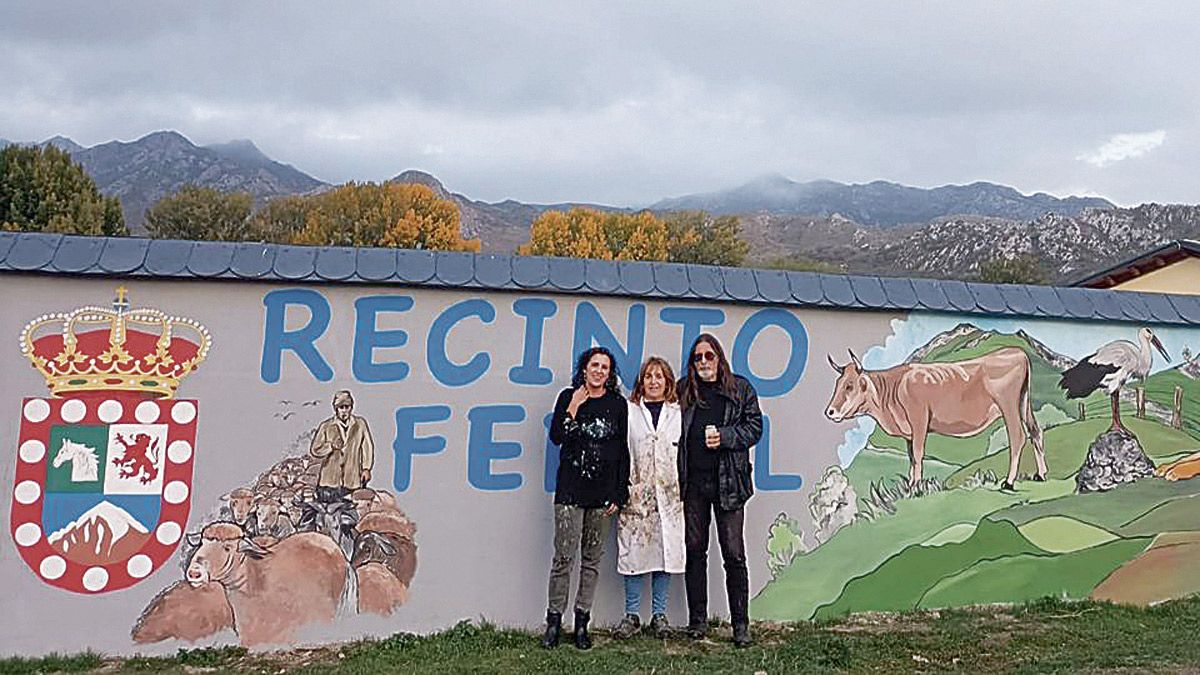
{"x": 103, "y": 479}
{"x": 307, "y": 542}
{"x": 994, "y": 461}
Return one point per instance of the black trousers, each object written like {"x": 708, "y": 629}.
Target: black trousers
{"x": 698, "y": 508}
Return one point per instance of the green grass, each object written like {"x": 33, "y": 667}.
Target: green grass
{"x": 1043, "y": 636}
{"x": 818, "y": 577}
{"x": 1059, "y": 534}
{"x": 1025, "y": 577}
{"x": 899, "y": 583}
{"x": 1177, "y": 515}
{"x": 873, "y": 464}
{"x": 1110, "y": 510}
{"x": 1067, "y": 446}
{"x": 1160, "y": 388}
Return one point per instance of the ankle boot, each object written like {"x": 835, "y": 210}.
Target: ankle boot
{"x": 553, "y": 630}
{"x": 582, "y": 639}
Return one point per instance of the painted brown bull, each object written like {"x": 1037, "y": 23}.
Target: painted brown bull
{"x": 184, "y": 612}
{"x": 272, "y": 591}
{"x": 954, "y": 399}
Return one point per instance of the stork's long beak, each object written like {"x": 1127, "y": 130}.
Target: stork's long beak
{"x": 1161, "y": 350}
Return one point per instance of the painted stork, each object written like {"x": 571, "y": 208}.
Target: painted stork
{"x": 1110, "y": 368}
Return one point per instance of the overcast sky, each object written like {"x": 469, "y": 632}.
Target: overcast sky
{"x": 626, "y": 103}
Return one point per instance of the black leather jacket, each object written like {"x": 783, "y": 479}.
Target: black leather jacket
{"x": 741, "y": 430}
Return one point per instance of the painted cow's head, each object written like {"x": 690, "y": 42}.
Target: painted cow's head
{"x": 241, "y": 500}
{"x": 851, "y": 391}
{"x": 267, "y": 512}
{"x": 221, "y": 554}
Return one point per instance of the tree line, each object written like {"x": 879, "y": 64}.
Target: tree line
{"x": 43, "y": 190}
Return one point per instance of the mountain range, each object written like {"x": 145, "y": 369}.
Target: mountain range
{"x": 876, "y": 228}
{"x": 104, "y": 533}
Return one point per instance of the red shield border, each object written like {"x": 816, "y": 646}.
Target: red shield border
{"x": 37, "y": 418}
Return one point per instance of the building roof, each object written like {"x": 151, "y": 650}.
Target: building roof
{"x": 133, "y": 257}
{"x": 1168, "y": 253}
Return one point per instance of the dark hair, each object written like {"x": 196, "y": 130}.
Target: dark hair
{"x": 691, "y": 384}
{"x": 612, "y": 383}
{"x": 669, "y": 394}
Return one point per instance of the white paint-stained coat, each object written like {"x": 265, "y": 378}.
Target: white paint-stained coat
{"x": 650, "y": 527}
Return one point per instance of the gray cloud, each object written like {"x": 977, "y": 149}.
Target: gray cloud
{"x": 629, "y": 102}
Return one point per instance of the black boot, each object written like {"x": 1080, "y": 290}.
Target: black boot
{"x": 553, "y": 629}
{"x": 741, "y": 635}
{"x": 582, "y": 639}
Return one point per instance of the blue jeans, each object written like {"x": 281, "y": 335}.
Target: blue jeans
{"x": 659, "y": 583}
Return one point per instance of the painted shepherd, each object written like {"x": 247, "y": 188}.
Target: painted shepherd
{"x": 103, "y": 483}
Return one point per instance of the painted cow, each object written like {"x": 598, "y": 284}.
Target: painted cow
{"x": 274, "y": 591}
{"x": 954, "y": 399}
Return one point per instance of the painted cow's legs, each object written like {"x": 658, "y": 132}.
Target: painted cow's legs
{"x": 916, "y": 449}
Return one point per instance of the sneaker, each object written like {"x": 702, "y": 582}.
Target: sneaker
{"x": 628, "y": 627}
{"x": 660, "y": 627}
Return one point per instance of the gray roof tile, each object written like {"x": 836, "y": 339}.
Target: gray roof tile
{"x": 637, "y": 277}
{"x": 1160, "y": 307}
{"x": 123, "y": 256}
{"x": 494, "y": 270}
{"x": 739, "y": 283}
{"x": 1047, "y": 301}
{"x": 837, "y": 291}
{"x": 7, "y": 239}
{"x": 417, "y": 267}
{"x": 1188, "y": 307}
{"x": 869, "y": 291}
{"x": 930, "y": 295}
{"x": 335, "y": 263}
{"x": 773, "y": 285}
{"x": 988, "y": 298}
{"x": 211, "y": 259}
{"x": 1076, "y": 302}
{"x": 670, "y": 279}
{"x": 900, "y": 292}
{"x": 453, "y": 268}
{"x": 78, "y": 254}
{"x": 806, "y": 287}
{"x": 1018, "y": 299}
{"x": 376, "y": 264}
{"x": 601, "y": 276}
{"x": 959, "y": 297}
{"x": 530, "y": 272}
{"x": 168, "y": 257}
{"x": 33, "y": 251}
{"x": 295, "y": 262}
{"x": 705, "y": 281}
{"x": 52, "y": 253}
{"x": 567, "y": 274}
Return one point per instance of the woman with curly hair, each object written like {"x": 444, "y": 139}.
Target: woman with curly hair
{"x": 589, "y": 426}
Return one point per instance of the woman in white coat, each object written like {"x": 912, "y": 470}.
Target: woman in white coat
{"x": 650, "y": 526}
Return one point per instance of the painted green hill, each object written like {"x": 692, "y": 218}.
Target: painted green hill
{"x": 873, "y": 464}
{"x": 1067, "y": 445}
{"x": 1181, "y": 514}
{"x": 1112, "y": 510}
{"x": 1160, "y": 388}
{"x": 1028, "y": 577}
{"x": 900, "y": 582}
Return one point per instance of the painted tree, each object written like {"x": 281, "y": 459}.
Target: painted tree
{"x": 201, "y": 213}
{"x": 43, "y": 190}
{"x": 833, "y": 504}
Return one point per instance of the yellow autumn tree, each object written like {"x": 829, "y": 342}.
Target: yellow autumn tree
{"x": 588, "y": 233}
{"x": 403, "y": 215}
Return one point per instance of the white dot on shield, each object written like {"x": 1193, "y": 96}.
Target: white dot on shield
{"x": 110, "y": 411}
{"x": 32, "y": 451}
{"x": 175, "y": 492}
{"x": 28, "y": 534}
{"x": 96, "y": 578}
{"x": 139, "y": 566}
{"x": 146, "y": 412}
{"x": 36, "y": 410}
{"x": 73, "y": 410}
{"x": 27, "y": 492}
{"x": 168, "y": 533}
{"x": 183, "y": 412}
{"x": 52, "y": 567}
{"x": 179, "y": 451}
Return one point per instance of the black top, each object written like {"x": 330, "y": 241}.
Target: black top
{"x": 655, "y": 408}
{"x": 710, "y": 409}
{"x": 593, "y": 460}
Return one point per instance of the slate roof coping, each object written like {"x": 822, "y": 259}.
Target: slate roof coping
{"x": 75, "y": 255}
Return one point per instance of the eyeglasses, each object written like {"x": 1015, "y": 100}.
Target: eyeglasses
{"x": 704, "y": 356}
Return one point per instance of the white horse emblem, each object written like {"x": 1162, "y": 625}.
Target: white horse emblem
{"x": 84, "y": 463}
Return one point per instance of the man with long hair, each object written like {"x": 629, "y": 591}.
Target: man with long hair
{"x": 721, "y": 422}
{"x": 589, "y": 426}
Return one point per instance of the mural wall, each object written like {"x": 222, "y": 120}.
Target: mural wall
{"x": 231, "y": 462}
